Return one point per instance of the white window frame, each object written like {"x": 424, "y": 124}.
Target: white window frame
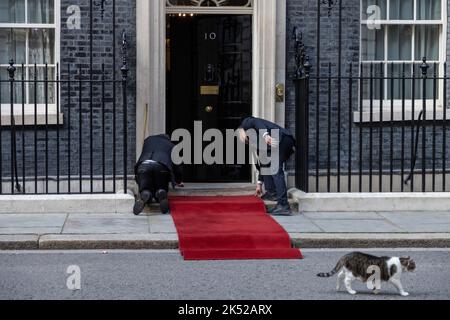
{"x": 52, "y": 111}
{"x": 398, "y": 112}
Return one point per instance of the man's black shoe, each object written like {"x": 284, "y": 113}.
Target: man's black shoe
{"x": 146, "y": 196}
{"x": 269, "y": 197}
{"x": 161, "y": 195}
{"x": 139, "y": 205}
{"x": 279, "y": 210}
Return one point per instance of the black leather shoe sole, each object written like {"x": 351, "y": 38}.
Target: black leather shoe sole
{"x": 164, "y": 205}
{"x": 163, "y": 201}
{"x": 269, "y": 197}
{"x": 139, "y": 206}
{"x": 281, "y": 213}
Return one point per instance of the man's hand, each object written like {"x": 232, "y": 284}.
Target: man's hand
{"x": 259, "y": 191}
{"x": 271, "y": 141}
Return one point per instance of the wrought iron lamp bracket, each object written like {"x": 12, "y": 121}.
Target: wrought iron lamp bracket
{"x": 424, "y": 67}
{"x": 124, "y": 69}
{"x": 330, "y": 4}
{"x": 11, "y": 70}
{"x": 302, "y": 64}
{"x": 101, "y": 4}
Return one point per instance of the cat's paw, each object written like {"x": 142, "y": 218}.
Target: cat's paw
{"x": 376, "y": 292}
{"x": 352, "y": 292}
{"x": 405, "y": 294}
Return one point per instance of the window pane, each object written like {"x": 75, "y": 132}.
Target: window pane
{"x": 401, "y": 10}
{"x": 12, "y": 11}
{"x": 41, "y": 11}
{"x": 41, "y": 85}
{"x": 397, "y": 70}
{"x": 41, "y": 46}
{"x": 372, "y": 44}
{"x": 12, "y": 45}
{"x": 399, "y": 43}
{"x": 427, "y": 42}
{"x": 429, "y": 9}
{"x": 6, "y": 86}
{"x": 373, "y": 9}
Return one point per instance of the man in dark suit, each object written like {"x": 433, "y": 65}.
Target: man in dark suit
{"x": 275, "y": 184}
{"x": 154, "y": 170}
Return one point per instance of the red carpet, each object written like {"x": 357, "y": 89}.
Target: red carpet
{"x": 229, "y": 228}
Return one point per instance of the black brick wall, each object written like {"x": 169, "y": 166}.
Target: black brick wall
{"x": 75, "y": 54}
{"x": 303, "y": 14}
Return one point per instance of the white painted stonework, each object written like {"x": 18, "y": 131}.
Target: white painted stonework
{"x": 102, "y": 203}
{"x": 269, "y": 24}
{"x": 151, "y": 70}
{"x": 371, "y": 202}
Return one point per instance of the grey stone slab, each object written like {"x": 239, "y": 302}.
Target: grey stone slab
{"x": 427, "y": 228}
{"x": 35, "y": 231}
{"x": 105, "y": 215}
{"x": 298, "y": 218}
{"x": 307, "y": 227}
{"x": 357, "y": 226}
{"x": 31, "y": 220}
{"x": 77, "y": 224}
{"x": 343, "y": 216}
{"x": 162, "y": 224}
{"x": 155, "y": 219}
{"x": 162, "y": 228}
{"x": 298, "y": 223}
{"x": 417, "y": 217}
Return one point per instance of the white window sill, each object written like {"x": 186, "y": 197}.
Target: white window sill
{"x": 398, "y": 116}
{"x": 44, "y": 116}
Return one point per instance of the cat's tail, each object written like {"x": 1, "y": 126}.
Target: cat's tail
{"x": 336, "y": 269}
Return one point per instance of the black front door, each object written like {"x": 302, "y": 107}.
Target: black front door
{"x": 209, "y": 79}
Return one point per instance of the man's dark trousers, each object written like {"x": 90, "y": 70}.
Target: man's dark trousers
{"x": 153, "y": 177}
{"x": 276, "y": 184}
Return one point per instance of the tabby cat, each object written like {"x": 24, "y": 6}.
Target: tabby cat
{"x": 358, "y": 266}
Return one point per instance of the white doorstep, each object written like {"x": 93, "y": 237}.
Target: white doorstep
{"x": 98, "y": 203}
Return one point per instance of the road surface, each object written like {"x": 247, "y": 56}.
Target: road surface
{"x": 164, "y": 275}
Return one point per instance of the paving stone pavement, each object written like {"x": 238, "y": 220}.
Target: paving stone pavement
{"x": 310, "y": 223}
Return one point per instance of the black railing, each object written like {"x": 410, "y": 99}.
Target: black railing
{"x": 388, "y": 135}
{"x": 46, "y": 150}
{"x": 65, "y": 130}
{"x": 365, "y": 126}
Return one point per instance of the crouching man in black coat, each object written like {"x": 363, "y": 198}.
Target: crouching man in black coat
{"x": 275, "y": 183}
{"x": 154, "y": 171}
